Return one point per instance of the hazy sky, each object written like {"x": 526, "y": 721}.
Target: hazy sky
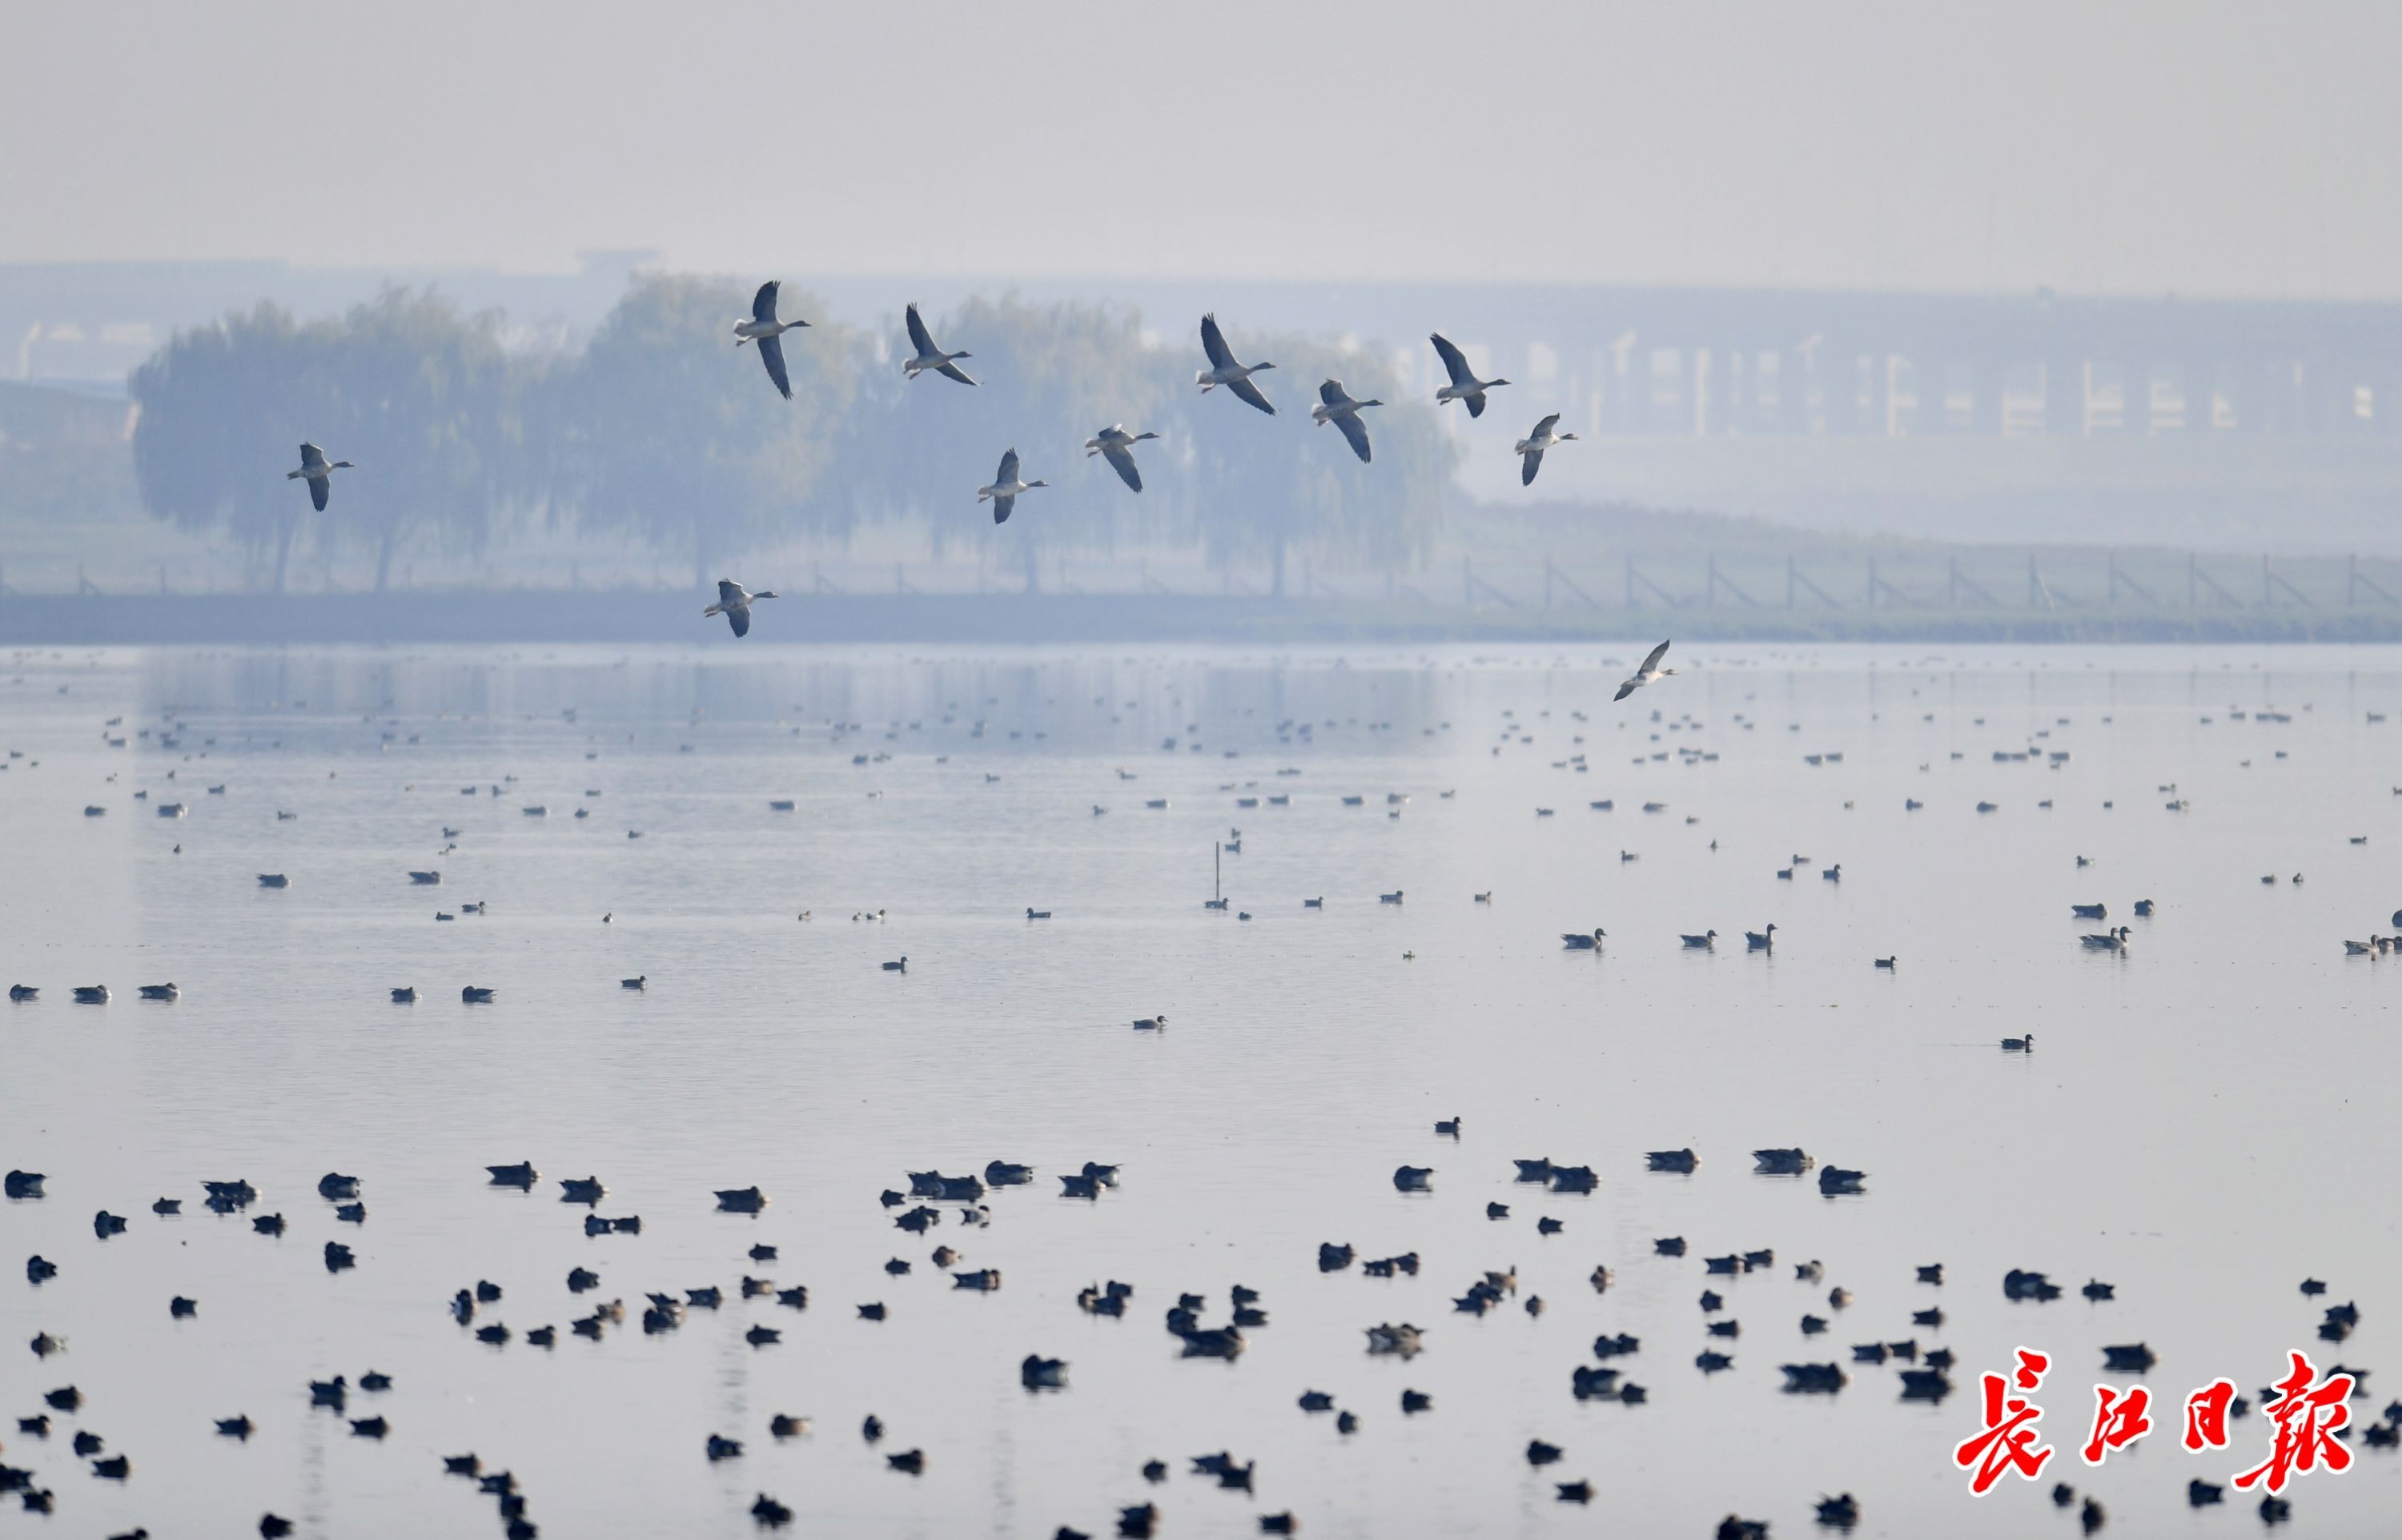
{"x": 2197, "y": 148}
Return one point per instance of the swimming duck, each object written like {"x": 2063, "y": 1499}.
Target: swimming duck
{"x": 1705, "y": 942}
{"x": 1576, "y": 940}
{"x": 475, "y": 995}
{"x": 1760, "y": 941}
{"x": 2019, "y": 1045}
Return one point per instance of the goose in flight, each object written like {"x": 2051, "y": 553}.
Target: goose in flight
{"x": 764, "y": 329}
{"x": 1546, "y": 435}
{"x": 1116, "y": 446}
{"x": 1006, "y": 487}
{"x": 1464, "y": 384}
{"x": 320, "y": 474}
{"x": 930, "y": 357}
{"x": 1335, "y": 406}
{"x": 734, "y": 603}
{"x": 1650, "y": 673}
{"x": 1223, "y": 370}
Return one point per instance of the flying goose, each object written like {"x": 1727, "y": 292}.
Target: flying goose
{"x": 766, "y": 330}
{"x": 930, "y": 357}
{"x": 1335, "y": 406}
{"x": 320, "y": 474}
{"x": 1530, "y": 448}
{"x": 1224, "y": 370}
{"x": 1116, "y": 446}
{"x": 1652, "y": 673}
{"x": 1464, "y": 384}
{"x": 734, "y": 603}
{"x": 1005, "y": 488}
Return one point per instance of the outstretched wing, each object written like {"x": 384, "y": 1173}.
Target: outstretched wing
{"x": 1121, "y": 461}
{"x": 1454, "y": 361}
{"x": 730, "y": 592}
{"x": 1625, "y": 690}
{"x": 1008, "y": 470}
{"x": 771, "y": 353}
{"x": 1653, "y": 661}
{"x": 1002, "y": 506}
{"x": 740, "y": 619}
{"x": 1245, "y": 391}
{"x": 763, "y": 304}
{"x": 311, "y": 457}
{"x": 1213, "y": 342}
{"x": 1475, "y": 402}
{"x": 320, "y": 489}
{"x": 1543, "y": 428}
{"x": 1356, "y": 431}
{"x": 920, "y": 337}
{"x": 1332, "y": 392}
{"x": 952, "y": 371}
{"x": 1534, "y": 461}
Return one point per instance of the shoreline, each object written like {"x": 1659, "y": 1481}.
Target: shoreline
{"x": 652, "y": 617}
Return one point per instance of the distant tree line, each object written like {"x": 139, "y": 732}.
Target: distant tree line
{"x": 657, "y": 430}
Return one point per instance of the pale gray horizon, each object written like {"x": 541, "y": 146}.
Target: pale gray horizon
{"x": 2142, "y": 147}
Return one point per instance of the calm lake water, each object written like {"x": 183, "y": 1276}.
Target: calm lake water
{"x": 2209, "y": 1118}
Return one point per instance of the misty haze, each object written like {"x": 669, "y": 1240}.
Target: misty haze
{"x": 1037, "y": 772}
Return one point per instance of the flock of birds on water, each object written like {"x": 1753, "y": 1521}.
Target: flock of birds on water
{"x": 1114, "y": 443}
{"x": 924, "y": 1204}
